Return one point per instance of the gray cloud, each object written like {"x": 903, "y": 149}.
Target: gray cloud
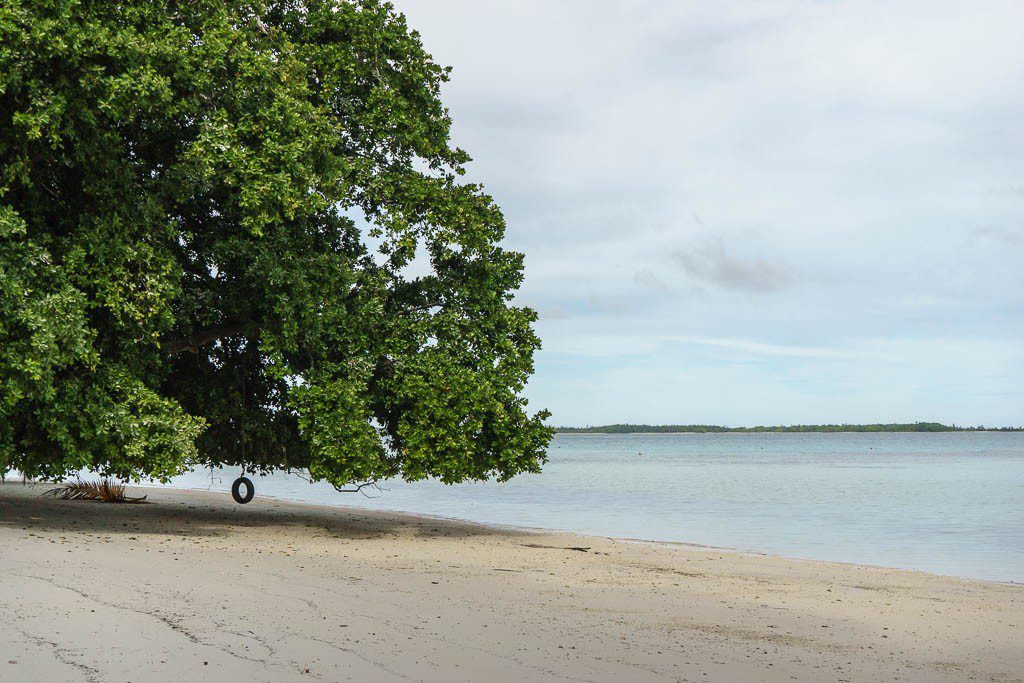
{"x": 712, "y": 263}
{"x": 646, "y": 277}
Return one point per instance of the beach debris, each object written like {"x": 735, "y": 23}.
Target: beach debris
{"x": 577, "y": 548}
{"x": 106, "y": 490}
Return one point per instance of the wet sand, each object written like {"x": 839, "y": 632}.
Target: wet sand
{"x": 191, "y": 586}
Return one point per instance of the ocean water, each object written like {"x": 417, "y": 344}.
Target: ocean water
{"x": 948, "y": 503}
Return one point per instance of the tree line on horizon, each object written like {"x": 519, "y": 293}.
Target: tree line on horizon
{"x": 715, "y": 429}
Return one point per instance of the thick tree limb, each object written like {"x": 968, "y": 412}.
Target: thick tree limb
{"x": 194, "y": 342}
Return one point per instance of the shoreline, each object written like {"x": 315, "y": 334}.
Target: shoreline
{"x": 192, "y": 586}
{"x": 514, "y": 528}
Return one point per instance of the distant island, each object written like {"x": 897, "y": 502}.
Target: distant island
{"x": 715, "y": 429}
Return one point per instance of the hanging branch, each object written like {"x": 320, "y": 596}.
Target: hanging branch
{"x": 358, "y": 488}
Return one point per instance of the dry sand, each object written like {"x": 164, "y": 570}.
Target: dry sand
{"x": 193, "y": 587}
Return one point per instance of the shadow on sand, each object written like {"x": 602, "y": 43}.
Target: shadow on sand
{"x": 200, "y": 513}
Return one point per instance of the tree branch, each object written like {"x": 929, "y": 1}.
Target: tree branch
{"x": 192, "y": 343}
{"x": 358, "y": 488}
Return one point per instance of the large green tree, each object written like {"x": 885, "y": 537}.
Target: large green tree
{"x": 234, "y": 233}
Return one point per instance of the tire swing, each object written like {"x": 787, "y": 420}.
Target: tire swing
{"x": 236, "y": 490}
{"x": 243, "y": 481}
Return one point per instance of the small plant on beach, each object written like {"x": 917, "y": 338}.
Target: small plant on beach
{"x": 106, "y": 490}
{"x": 235, "y": 233}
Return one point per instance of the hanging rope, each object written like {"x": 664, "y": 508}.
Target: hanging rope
{"x": 242, "y": 481}
{"x": 241, "y": 418}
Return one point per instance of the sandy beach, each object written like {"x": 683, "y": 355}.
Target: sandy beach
{"x": 191, "y": 586}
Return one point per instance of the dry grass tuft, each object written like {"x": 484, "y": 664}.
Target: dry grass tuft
{"x": 106, "y": 490}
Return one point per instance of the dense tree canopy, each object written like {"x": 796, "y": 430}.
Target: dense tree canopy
{"x": 235, "y": 233}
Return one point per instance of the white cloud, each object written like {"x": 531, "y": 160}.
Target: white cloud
{"x": 815, "y": 176}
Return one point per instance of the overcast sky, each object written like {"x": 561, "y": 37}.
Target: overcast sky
{"x": 754, "y": 213}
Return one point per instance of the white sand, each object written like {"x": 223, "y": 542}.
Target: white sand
{"x": 193, "y": 587}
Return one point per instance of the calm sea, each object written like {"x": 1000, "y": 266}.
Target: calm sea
{"x": 949, "y": 503}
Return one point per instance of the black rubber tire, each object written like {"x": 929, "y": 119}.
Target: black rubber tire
{"x": 250, "y": 490}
